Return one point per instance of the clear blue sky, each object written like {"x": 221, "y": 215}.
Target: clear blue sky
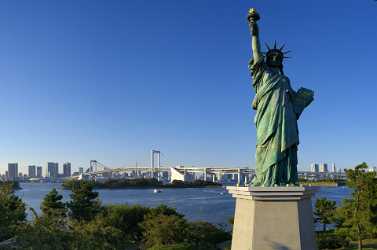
{"x": 110, "y": 80}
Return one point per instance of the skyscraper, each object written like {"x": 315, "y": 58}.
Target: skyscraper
{"x": 323, "y": 168}
{"x": 67, "y": 169}
{"x": 12, "y": 171}
{"x": 333, "y": 168}
{"x": 39, "y": 172}
{"x": 31, "y": 171}
{"x": 52, "y": 170}
{"x": 314, "y": 167}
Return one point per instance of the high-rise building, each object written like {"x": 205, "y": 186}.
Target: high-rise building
{"x": 39, "y": 172}
{"x": 12, "y": 171}
{"x": 333, "y": 168}
{"x": 314, "y": 167}
{"x": 67, "y": 169}
{"x": 32, "y": 171}
{"x": 323, "y": 168}
{"x": 81, "y": 170}
{"x": 52, "y": 170}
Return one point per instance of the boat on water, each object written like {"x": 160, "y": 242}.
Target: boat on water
{"x": 157, "y": 191}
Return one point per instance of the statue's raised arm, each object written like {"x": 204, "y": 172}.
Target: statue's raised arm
{"x": 253, "y": 17}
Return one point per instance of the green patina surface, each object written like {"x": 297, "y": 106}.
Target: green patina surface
{"x": 278, "y": 108}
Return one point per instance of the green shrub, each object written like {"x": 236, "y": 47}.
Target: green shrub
{"x": 204, "y": 233}
{"x": 330, "y": 240}
{"x": 126, "y": 218}
{"x": 183, "y": 246}
{"x": 163, "y": 230}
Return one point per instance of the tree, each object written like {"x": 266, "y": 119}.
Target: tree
{"x": 205, "y": 236}
{"x": 42, "y": 234}
{"x": 324, "y": 211}
{"x": 127, "y": 219}
{"x": 357, "y": 217}
{"x": 97, "y": 234}
{"x": 164, "y": 210}
{"x": 164, "y": 230}
{"x": 181, "y": 246}
{"x": 50, "y": 230}
{"x": 84, "y": 204}
{"x": 12, "y": 212}
{"x": 52, "y": 205}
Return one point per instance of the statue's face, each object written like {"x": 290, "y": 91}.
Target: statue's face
{"x": 274, "y": 60}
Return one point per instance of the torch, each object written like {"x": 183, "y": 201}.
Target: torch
{"x": 253, "y": 15}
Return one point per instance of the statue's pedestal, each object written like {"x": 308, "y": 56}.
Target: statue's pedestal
{"x": 276, "y": 218}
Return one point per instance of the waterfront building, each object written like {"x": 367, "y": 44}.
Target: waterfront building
{"x": 314, "y": 167}
{"x": 39, "y": 172}
{"x": 32, "y": 171}
{"x": 12, "y": 171}
{"x": 81, "y": 170}
{"x": 178, "y": 174}
{"x": 52, "y": 170}
{"x": 323, "y": 168}
{"x": 67, "y": 169}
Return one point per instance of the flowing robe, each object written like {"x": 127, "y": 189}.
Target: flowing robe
{"x": 276, "y": 123}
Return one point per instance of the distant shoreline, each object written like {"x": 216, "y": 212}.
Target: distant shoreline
{"x": 142, "y": 184}
{"x": 321, "y": 184}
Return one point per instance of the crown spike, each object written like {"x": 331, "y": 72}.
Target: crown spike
{"x": 282, "y": 47}
{"x": 275, "y": 45}
{"x": 268, "y": 47}
{"x": 286, "y": 52}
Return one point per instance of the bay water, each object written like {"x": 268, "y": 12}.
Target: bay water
{"x": 213, "y": 204}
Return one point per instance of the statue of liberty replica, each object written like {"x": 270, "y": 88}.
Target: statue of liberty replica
{"x": 278, "y": 108}
{"x": 274, "y": 213}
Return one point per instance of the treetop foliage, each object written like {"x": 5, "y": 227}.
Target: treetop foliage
{"x": 89, "y": 225}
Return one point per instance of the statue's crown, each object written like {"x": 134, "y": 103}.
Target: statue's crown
{"x": 277, "y": 51}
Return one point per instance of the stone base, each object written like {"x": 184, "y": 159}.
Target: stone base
{"x": 276, "y": 218}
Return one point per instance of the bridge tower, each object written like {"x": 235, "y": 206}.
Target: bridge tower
{"x": 153, "y": 170}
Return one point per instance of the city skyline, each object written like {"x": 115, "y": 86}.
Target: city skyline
{"x": 32, "y": 170}
{"x": 65, "y": 165}
{"x": 112, "y": 81}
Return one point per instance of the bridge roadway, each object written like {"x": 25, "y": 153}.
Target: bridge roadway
{"x": 208, "y": 170}
{"x": 97, "y": 169}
